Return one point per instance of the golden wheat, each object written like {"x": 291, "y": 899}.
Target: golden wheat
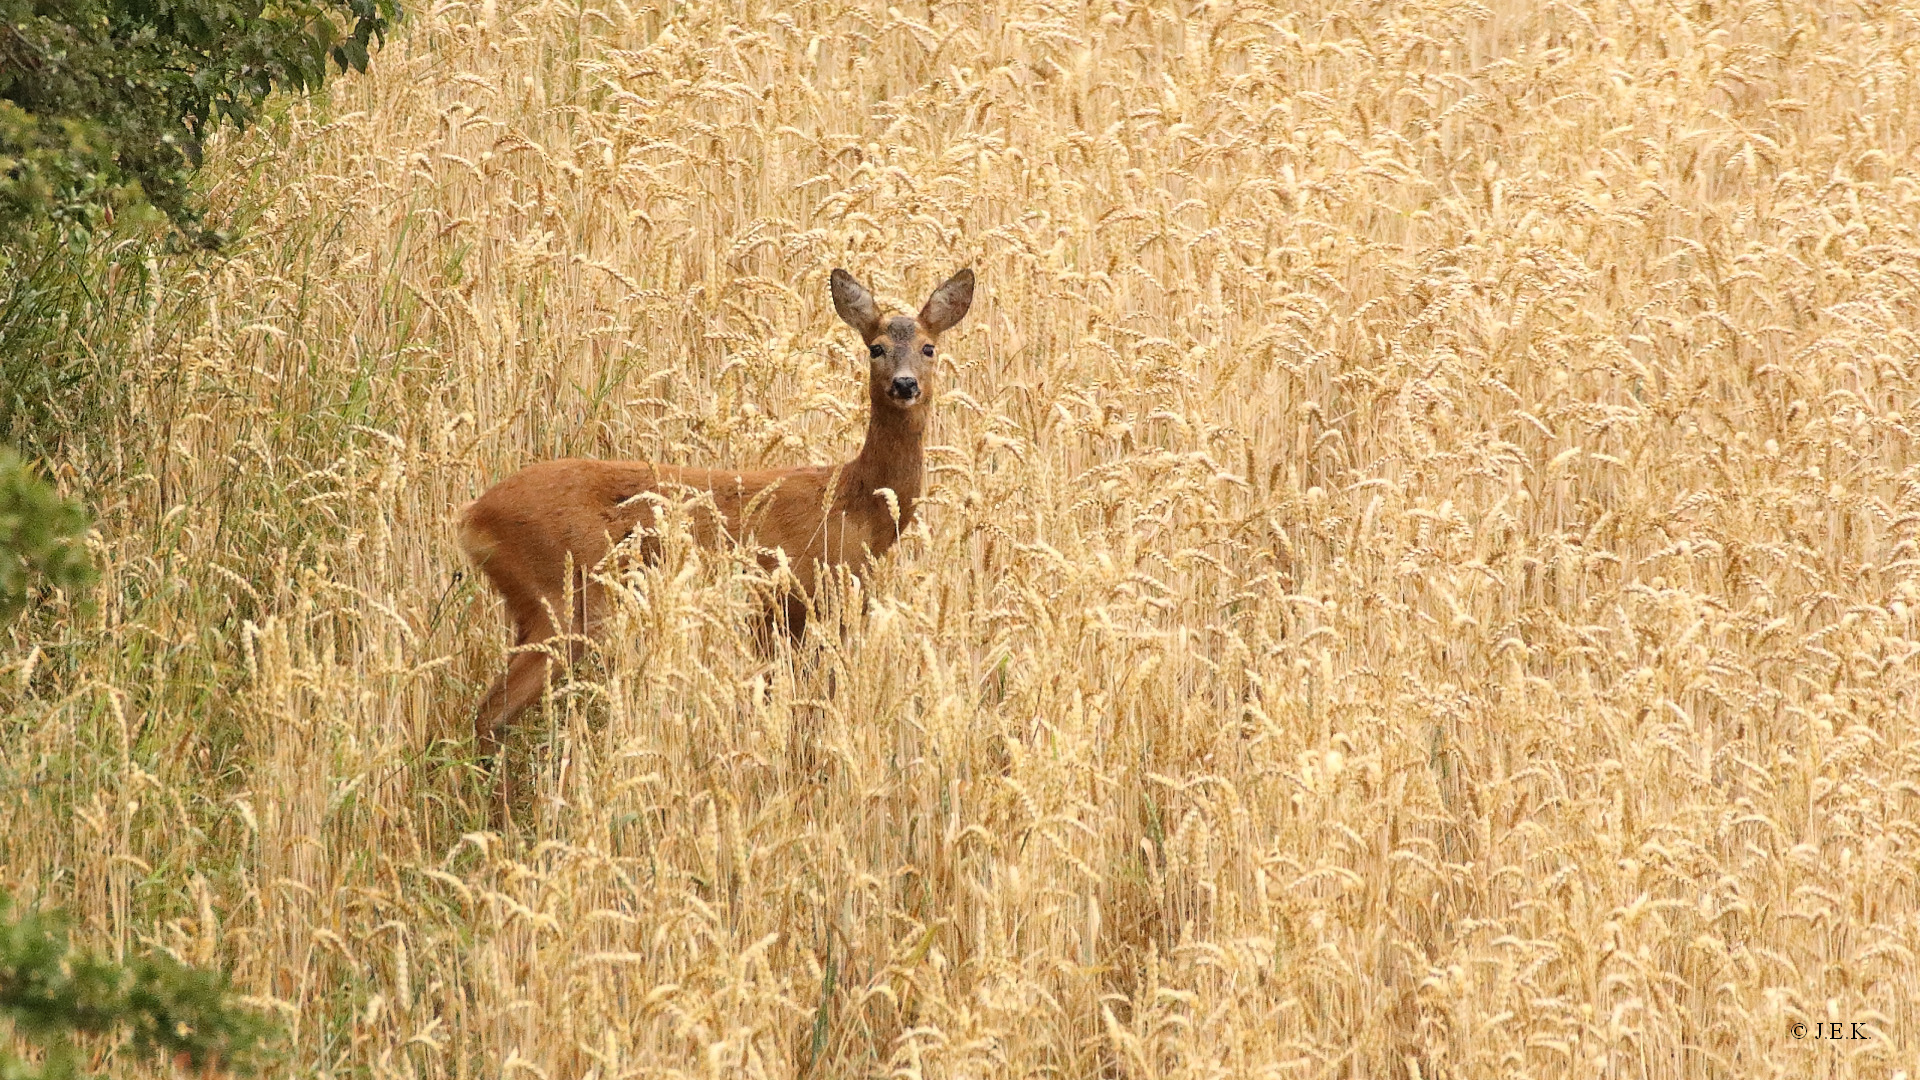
{"x": 1420, "y": 579}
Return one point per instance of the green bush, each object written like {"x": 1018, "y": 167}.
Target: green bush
{"x": 40, "y": 537}
{"x": 104, "y": 108}
{"x": 104, "y": 104}
{"x": 170, "y": 1012}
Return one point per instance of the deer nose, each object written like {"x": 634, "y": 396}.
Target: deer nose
{"x": 906, "y": 387}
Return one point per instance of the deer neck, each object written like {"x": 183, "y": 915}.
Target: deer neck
{"x": 892, "y": 457}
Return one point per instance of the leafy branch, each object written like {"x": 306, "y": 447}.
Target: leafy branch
{"x": 168, "y": 1011}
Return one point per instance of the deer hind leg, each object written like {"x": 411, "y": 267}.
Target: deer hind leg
{"x": 511, "y": 694}
{"x": 520, "y": 688}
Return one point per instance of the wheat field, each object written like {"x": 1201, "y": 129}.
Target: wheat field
{"x": 1420, "y": 577}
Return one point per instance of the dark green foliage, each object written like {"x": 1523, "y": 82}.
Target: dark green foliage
{"x": 40, "y": 537}
{"x": 170, "y": 1012}
{"x": 104, "y": 107}
{"x": 104, "y": 104}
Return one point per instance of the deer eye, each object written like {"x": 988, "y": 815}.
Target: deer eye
{"x": 876, "y": 350}
{"x": 926, "y": 350}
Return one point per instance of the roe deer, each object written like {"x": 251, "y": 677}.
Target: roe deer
{"x": 525, "y": 532}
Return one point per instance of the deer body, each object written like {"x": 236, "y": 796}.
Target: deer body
{"x": 526, "y": 531}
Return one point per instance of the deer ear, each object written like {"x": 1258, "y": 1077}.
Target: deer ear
{"x": 948, "y": 304}
{"x": 855, "y": 304}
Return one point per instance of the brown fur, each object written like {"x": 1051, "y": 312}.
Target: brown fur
{"x": 526, "y": 531}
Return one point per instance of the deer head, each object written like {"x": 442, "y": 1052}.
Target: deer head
{"x": 900, "y": 349}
